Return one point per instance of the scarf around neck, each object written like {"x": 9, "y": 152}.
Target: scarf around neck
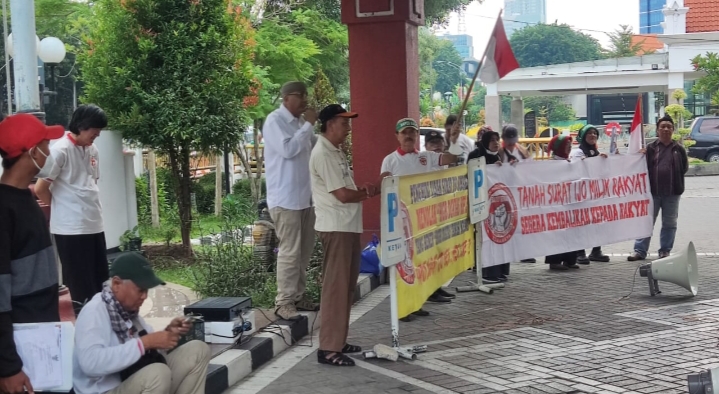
{"x": 120, "y": 319}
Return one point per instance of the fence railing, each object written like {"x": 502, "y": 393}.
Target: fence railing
{"x": 202, "y": 164}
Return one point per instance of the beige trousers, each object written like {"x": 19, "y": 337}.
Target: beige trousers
{"x": 340, "y": 270}
{"x": 185, "y": 373}
{"x": 296, "y": 234}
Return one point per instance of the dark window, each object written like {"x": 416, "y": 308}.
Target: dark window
{"x": 709, "y": 126}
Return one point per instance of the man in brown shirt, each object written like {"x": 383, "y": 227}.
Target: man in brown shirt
{"x": 667, "y": 163}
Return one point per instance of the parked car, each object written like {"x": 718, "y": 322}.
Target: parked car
{"x": 705, "y": 132}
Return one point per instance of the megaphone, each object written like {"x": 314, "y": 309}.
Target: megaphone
{"x": 680, "y": 269}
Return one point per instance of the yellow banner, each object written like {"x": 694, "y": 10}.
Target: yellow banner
{"x": 440, "y": 239}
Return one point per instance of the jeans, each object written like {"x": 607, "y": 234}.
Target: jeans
{"x": 670, "y": 212}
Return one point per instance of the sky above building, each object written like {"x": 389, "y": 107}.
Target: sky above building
{"x": 593, "y": 17}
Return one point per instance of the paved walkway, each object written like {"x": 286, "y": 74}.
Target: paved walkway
{"x": 546, "y": 332}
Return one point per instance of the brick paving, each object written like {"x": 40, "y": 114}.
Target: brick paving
{"x": 547, "y": 331}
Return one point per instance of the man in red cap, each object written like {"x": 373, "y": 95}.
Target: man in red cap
{"x": 28, "y": 272}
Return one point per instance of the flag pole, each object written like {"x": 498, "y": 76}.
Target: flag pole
{"x": 641, "y": 121}
{"x": 476, "y": 74}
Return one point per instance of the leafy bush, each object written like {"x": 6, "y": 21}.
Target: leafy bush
{"x": 229, "y": 270}
{"x": 238, "y": 211}
{"x": 243, "y": 190}
{"x": 204, "y": 190}
{"x": 142, "y": 194}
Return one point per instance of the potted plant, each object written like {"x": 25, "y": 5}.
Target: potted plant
{"x": 131, "y": 240}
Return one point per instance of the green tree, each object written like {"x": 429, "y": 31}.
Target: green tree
{"x": 620, "y": 43}
{"x": 552, "y": 107}
{"x": 172, "y": 76}
{"x": 446, "y": 63}
{"x": 437, "y": 11}
{"x": 709, "y": 83}
{"x": 542, "y": 45}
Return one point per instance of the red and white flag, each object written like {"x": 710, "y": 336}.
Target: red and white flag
{"x": 636, "y": 139}
{"x": 499, "y": 59}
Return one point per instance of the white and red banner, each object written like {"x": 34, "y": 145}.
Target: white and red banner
{"x": 543, "y": 208}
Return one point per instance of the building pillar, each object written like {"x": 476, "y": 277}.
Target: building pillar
{"x": 493, "y": 108}
{"x": 675, "y": 82}
{"x": 384, "y": 75}
{"x": 517, "y": 114}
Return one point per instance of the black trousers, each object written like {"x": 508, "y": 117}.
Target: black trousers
{"x": 568, "y": 258}
{"x": 495, "y": 271}
{"x": 84, "y": 264}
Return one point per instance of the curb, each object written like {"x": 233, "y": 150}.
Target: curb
{"x": 703, "y": 169}
{"x": 230, "y": 367}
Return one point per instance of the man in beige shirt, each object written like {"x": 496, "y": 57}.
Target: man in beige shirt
{"x": 338, "y": 211}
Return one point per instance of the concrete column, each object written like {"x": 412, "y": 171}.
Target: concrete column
{"x": 493, "y": 112}
{"x": 517, "y": 114}
{"x": 131, "y": 199}
{"x": 27, "y": 90}
{"x": 382, "y": 92}
{"x": 675, "y": 82}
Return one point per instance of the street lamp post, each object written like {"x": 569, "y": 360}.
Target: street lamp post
{"x": 24, "y": 41}
{"x": 52, "y": 52}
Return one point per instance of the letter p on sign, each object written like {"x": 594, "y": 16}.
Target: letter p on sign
{"x": 478, "y": 181}
{"x": 392, "y": 210}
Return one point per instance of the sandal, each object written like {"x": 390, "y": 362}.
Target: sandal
{"x": 337, "y": 359}
{"x": 351, "y": 349}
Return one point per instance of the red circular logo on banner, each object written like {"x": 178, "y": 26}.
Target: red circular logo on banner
{"x": 406, "y": 267}
{"x": 502, "y": 220}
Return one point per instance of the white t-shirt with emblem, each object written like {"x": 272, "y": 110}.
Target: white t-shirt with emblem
{"x": 407, "y": 163}
{"x": 75, "y": 207}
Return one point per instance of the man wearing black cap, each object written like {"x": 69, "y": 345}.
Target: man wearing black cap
{"x": 28, "y": 270}
{"x": 338, "y": 207}
{"x": 116, "y": 352}
{"x": 289, "y": 136}
{"x": 434, "y": 141}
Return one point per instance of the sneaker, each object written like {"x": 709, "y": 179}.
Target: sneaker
{"x": 602, "y": 258}
{"x": 445, "y": 293}
{"x": 491, "y": 281}
{"x": 307, "y": 305}
{"x": 529, "y": 261}
{"x": 420, "y": 312}
{"x": 635, "y": 257}
{"x": 408, "y": 318}
{"x": 584, "y": 260}
{"x": 663, "y": 255}
{"x": 558, "y": 267}
{"x": 287, "y": 312}
{"x": 438, "y": 298}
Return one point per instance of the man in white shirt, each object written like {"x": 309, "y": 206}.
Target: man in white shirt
{"x": 406, "y": 160}
{"x": 74, "y": 198}
{"x": 288, "y": 140}
{"x": 116, "y": 352}
{"x": 338, "y": 205}
{"x": 464, "y": 142}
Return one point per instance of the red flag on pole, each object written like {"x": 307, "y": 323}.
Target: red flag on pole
{"x": 499, "y": 59}
{"x": 635, "y": 132}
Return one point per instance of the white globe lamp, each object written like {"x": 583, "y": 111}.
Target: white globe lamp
{"x": 11, "y": 50}
{"x": 51, "y": 50}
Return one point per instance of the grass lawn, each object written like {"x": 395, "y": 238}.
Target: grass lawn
{"x": 201, "y": 226}
{"x": 181, "y": 275}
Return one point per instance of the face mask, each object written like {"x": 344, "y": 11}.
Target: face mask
{"x": 44, "y": 171}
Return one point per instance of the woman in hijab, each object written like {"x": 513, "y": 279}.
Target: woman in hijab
{"x": 587, "y": 138}
{"x": 488, "y": 147}
{"x": 560, "y": 146}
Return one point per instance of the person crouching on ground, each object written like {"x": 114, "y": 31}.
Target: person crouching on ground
{"x": 488, "y": 147}
{"x": 116, "y": 352}
{"x": 587, "y": 139}
{"x": 560, "y": 146}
